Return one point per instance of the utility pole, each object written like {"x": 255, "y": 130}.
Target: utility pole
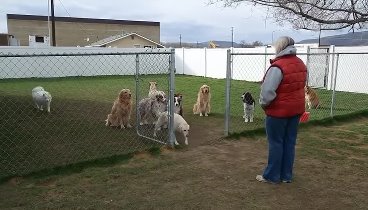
{"x": 180, "y": 40}
{"x": 53, "y": 23}
{"x": 232, "y": 36}
{"x": 272, "y": 37}
{"x": 319, "y": 36}
{"x": 48, "y": 21}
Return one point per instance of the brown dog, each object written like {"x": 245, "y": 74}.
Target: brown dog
{"x": 311, "y": 98}
{"x": 121, "y": 110}
{"x": 203, "y": 106}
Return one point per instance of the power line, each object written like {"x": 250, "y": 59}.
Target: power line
{"x": 65, "y": 8}
{"x": 80, "y": 25}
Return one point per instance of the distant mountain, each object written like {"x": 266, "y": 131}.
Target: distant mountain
{"x": 219, "y": 44}
{"x": 349, "y": 39}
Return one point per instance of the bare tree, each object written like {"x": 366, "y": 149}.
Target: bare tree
{"x": 312, "y": 14}
{"x": 257, "y": 43}
{"x": 245, "y": 44}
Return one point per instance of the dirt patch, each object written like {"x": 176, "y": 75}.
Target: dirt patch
{"x": 217, "y": 176}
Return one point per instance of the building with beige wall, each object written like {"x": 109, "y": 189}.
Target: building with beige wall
{"x": 72, "y": 31}
{"x": 127, "y": 40}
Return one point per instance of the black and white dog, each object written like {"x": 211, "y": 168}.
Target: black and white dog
{"x": 178, "y": 99}
{"x": 248, "y": 103}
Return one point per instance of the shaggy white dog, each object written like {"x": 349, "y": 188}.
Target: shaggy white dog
{"x": 41, "y": 98}
{"x": 180, "y": 125}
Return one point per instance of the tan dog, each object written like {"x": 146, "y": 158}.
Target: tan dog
{"x": 153, "y": 91}
{"x": 121, "y": 110}
{"x": 311, "y": 98}
{"x": 203, "y": 106}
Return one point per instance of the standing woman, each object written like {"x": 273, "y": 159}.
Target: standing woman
{"x": 283, "y": 100}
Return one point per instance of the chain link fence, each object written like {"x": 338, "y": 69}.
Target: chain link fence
{"x": 337, "y": 79}
{"x": 83, "y": 87}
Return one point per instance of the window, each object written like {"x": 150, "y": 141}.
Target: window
{"x": 40, "y": 39}
{"x": 148, "y": 46}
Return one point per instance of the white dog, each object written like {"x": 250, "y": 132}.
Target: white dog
{"x": 41, "y": 98}
{"x": 180, "y": 125}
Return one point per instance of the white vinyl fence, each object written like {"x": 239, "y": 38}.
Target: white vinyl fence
{"x": 350, "y": 64}
{"x": 27, "y": 62}
{"x": 351, "y": 68}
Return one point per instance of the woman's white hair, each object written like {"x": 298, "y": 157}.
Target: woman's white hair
{"x": 283, "y": 42}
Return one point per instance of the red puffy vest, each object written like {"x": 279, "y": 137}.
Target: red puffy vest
{"x": 290, "y": 95}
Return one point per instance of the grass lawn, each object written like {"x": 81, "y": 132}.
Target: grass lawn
{"x": 75, "y": 131}
{"x": 330, "y": 173}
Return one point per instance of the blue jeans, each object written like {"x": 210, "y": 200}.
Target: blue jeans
{"x": 281, "y": 135}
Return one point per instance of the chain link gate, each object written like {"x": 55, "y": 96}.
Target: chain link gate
{"x": 164, "y": 77}
{"x": 83, "y": 87}
{"x": 317, "y": 62}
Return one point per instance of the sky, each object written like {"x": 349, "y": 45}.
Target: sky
{"x": 193, "y": 20}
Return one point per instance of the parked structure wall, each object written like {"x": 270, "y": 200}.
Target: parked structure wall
{"x": 78, "y": 31}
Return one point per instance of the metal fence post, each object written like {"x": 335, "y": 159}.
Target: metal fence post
{"x": 308, "y": 63}
{"x": 334, "y": 86}
{"x": 332, "y": 55}
{"x": 137, "y": 91}
{"x": 171, "y": 98}
{"x": 227, "y": 92}
{"x": 265, "y": 60}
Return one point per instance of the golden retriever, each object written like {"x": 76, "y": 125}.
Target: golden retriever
{"x": 311, "y": 98}
{"x": 152, "y": 89}
{"x": 203, "y": 106}
{"x": 121, "y": 110}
